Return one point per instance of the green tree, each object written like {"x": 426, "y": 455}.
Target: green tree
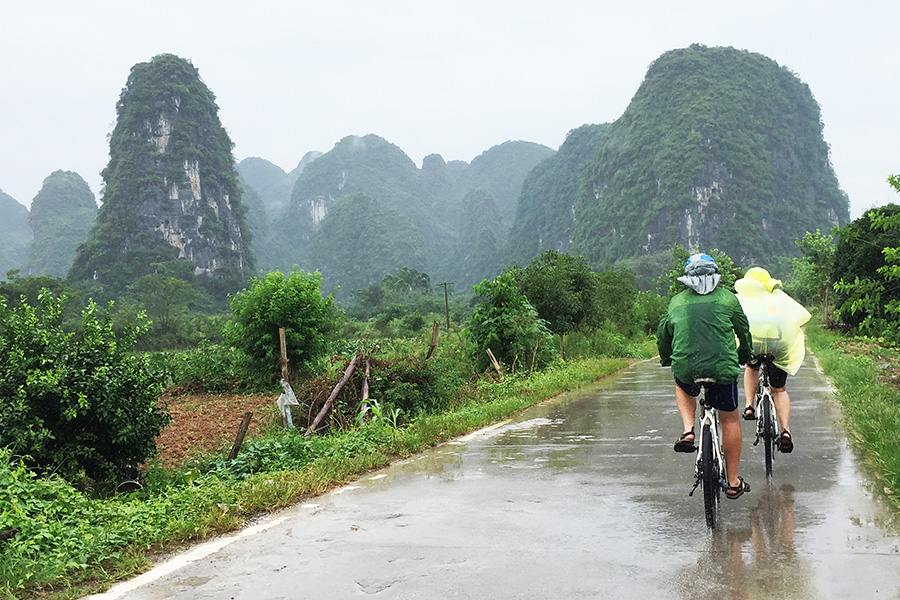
{"x": 165, "y": 300}
{"x": 866, "y": 295}
{"x": 75, "y": 401}
{"x": 564, "y": 290}
{"x": 618, "y": 300}
{"x": 508, "y": 325}
{"x": 407, "y": 282}
{"x": 294, "y": 302}
{"x": 811, "y": 274}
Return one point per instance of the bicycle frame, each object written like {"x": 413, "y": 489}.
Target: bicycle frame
{"x": 710, "y": 416}
{"x": 709, "y": 422}
{"x": 765, "y": 407}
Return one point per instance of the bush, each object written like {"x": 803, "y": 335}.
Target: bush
{"x": 508, "y": 325}
{"x": 75, "y": 401}
{"x": 294, "y": 302}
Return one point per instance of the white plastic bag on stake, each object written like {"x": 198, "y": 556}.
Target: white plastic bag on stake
{"x": 286, "y": 400}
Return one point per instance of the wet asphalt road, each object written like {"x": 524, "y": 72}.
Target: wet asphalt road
{"x": 581, "y": 497}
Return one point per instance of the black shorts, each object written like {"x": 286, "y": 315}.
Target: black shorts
{"x": 777, "y": 377}
{"x": 721, "y": 396}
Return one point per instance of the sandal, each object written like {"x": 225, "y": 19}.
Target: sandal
{"x": 735, "y": 492}
{"x": 785, "y": 443}
{"x": 750, "y": 413}
{"x": 684, "y": 444}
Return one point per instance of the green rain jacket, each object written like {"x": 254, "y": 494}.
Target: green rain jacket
{"x": 697, "y": 336}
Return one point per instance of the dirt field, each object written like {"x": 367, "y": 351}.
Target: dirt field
{"x": 207, "y": 422}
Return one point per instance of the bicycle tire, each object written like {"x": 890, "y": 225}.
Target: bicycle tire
{"x": 709, "y": 477}
{"x": 769, "y": 438}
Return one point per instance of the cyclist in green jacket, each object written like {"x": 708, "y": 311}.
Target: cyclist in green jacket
{"x": 697, "y": 338}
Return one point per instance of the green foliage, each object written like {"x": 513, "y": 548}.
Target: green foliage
{"x": 566, "y": 293}
{"x": 868, "y": 396}
{"x": 413, "y": 386}
{"x": 867, "y": 296}
{"x": 166, "y": 302}
{"x": 718, "y": 148}
{"x": 207, "y": 367}
{"x": 360, "y": 241}
{"x": 508, "y": 325}
{"x": 75, "y": 402}
{"x": 476, "y": 255}
{"x": 406, "y": 297}
{"x": 61, "y": 217}
{"x": 294, "y": 302}
{"x": 544, "y": 212}
{"x": 15, "y": 232}
{"x": 810, "y": 280}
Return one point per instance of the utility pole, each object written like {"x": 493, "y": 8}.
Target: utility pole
{"x": 446, "y": 303}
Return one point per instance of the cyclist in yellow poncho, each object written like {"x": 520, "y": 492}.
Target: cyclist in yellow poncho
{"x": 776, "y": 322}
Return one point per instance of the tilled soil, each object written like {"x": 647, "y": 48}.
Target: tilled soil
{"x": 203, "y": 423}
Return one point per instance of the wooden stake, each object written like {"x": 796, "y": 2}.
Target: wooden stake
{"x": 284, "y": 358}
{"x": 435, "y": 334}
{"x": 242, "y": 431}
{"x": 334, "y": 393}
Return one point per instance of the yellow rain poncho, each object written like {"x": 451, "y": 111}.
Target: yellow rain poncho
{"x": 776, "y": 319}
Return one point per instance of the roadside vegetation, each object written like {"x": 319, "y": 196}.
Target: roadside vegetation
{"x": 68, "y": 527}
{"x": 866, "y": 375}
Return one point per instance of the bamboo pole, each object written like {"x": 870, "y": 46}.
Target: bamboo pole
{"x": 334, "y": 393}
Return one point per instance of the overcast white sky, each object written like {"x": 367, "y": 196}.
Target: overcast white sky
{"x": 452, "y": 78}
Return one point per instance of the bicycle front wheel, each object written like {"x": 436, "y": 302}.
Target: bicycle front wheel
{"x": 769, "y": 437}
{"x": 709, "y": 477}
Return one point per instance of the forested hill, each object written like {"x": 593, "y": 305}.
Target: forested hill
{"x": 427, "y": 211}
{"x": 15, "y": 232}
{"x": 544, "y": 213}
{"x": 719, "y": 148}
{"x": 61, "y": 217}
{"x": 172, "y": 199}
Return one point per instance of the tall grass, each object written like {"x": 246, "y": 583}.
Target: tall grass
{"x": 864, "y": 374}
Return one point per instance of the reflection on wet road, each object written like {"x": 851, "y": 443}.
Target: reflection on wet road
{"x": 581, "y": 497}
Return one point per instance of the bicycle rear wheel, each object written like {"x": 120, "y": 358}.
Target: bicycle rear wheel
{"x": 709, "y": 477}
{"x": 769, "y": 437}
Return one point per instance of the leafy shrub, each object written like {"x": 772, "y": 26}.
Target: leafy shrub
{"x": 413, "y": 385}
{"x": 294, "y": 302}
{"x": 75, "y": 401}
{"x": 206, "y": 368}
{"x": 508, "y": 325}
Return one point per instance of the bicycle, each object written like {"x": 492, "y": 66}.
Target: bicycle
{"x": 766, "y": 418}
{"x": 709, "y": 469}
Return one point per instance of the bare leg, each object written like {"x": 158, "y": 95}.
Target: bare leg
{"x": 782, "y": 407}
{"x": 731, "y": 444}
{"x": 687, "y": 407}
{"x": 751, "y": 382}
